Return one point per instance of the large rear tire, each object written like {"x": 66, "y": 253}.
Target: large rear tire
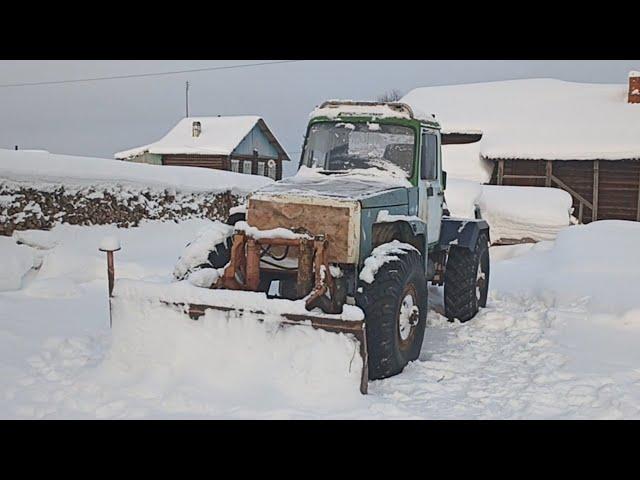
{"x": 218, "y": 254}
{"x": 466, "y": 280}
{"x": 395, "y": 308}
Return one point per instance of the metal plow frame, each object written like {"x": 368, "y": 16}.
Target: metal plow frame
{"x": 313, "y": 275}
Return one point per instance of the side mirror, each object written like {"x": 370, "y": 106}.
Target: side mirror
{"x": 444, "y": 180}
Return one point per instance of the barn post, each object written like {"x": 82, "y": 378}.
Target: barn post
{"x": 548, "y": 173}
{"x": 500, "y": 171}
{"x": 596, "y": 181}
{"x": 580, "y": 210}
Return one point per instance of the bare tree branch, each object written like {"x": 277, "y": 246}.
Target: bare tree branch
{"x": 390, "y": 96}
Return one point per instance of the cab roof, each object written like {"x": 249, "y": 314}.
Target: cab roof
{"x": 335, "y": 109}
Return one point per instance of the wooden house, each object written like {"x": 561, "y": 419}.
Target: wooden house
{"x": 582, "y": 138}
{"x": 241, "y": 144}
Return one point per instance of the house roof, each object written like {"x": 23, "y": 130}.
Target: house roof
{"x": 219, "y": 136}
{"x": 538, "y": 118}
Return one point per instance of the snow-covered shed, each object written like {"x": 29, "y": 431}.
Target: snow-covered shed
{"x": 241, "y": 144}
{"x": 583, "y": 138}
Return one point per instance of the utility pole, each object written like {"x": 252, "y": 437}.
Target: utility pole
{"x": 186, "y": 99}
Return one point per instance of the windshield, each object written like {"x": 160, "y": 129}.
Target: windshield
{"x": 354, "y": 146}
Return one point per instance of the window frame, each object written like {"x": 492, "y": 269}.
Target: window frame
{"x": 424, "y": 154}
{"x": 414, "y": 131}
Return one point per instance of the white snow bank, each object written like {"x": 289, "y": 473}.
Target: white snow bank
{"x": 598, "y": 263}
{"x": 462, "y": 196}
{"x": 380, "y": 255}
{"x": 68, "y": 255}
{"x": 513, "y": 213}
{"x": 197, "y": 251}
{"x": 157, "y": 352}
{"x": 15, "y": 261}
{"x": 537, "y": 213}
{"x": 43, "y": 167}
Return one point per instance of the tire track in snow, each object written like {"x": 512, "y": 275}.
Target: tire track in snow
{"x": 502, "y": 364}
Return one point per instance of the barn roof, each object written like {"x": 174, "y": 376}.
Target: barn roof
{"x": 219, "y": 136}
{"x": 538, "y": 118}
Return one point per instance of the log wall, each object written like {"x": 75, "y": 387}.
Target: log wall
{"x": 601, "y": 189}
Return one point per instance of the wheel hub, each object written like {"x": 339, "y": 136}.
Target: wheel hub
{"x": 480, "y": 279}
{"x": 408, "y": 316}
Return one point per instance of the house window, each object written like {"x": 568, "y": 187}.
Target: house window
{"x": 235, "y": 166}
{"x": 272, "y": 169}
{"x": 246, "y": 166}
{"x": 261, "y": 168}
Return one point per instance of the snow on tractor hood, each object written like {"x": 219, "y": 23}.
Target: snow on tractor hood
{"x": 353, "y": 185}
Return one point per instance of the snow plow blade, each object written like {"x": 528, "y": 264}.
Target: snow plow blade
{"x": 333, "y": 325}
{"x": 249, "y": 330}
{"x": 140, "y": 310}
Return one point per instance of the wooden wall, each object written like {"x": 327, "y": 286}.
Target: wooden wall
{"x": 601, "y": 189}
{"x": 218, "y": 162}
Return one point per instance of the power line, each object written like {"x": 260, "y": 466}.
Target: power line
{"x": 139, "y": 75}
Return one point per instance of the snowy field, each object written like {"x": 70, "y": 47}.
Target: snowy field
{"x": 558, "y": 339}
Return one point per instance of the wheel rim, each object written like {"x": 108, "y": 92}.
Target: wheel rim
{"x": 480, "y": 281}
{"x": 408, "y": 316}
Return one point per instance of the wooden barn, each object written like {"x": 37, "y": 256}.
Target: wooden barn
{"x": 241, "y": 144}
{"x": 582, "y": 138}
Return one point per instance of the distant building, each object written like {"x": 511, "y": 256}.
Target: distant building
{"x": 241, "y": 144}
{"x": 583, "y": 138}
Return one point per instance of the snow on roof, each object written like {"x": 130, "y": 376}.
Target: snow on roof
{"x": 633, "y": 74}
{"x": 44, "y": 167}
{"x": 219, "y": 136}
{"x": 538, "y": 118}
{"x": 373, "y": 109}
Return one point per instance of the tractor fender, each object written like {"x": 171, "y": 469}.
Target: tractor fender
{"x": 413, "y": 230}
{"x": 461, "y": 232}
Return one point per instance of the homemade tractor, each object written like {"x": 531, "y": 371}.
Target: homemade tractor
{"x": 360, "y": 225}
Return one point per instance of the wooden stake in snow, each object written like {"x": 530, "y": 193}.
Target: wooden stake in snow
{"x": 110, "y": 245}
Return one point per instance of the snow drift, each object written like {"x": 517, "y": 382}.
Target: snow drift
{"x": 43, "y": 167}
{"x": 39, "y": 190}
{"x": 598, "y": 263}
{"x": 15, "y": 261}
{"x": 513, "y": 213}
{"x": 518, "y": 213}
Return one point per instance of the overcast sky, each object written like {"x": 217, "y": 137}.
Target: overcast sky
{"x": 102, "y": 117}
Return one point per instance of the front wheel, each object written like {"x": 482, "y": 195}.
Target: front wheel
{"x": 466, "y": 280}
{"x": 210, "y": 249}
{"x": 395, "y": 309}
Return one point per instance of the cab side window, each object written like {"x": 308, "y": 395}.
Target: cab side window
{"x": 429, "y": 165}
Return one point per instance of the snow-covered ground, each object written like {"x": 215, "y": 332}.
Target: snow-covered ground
{"x": 41, "y": 169}
{"x": 558, "y": 339}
